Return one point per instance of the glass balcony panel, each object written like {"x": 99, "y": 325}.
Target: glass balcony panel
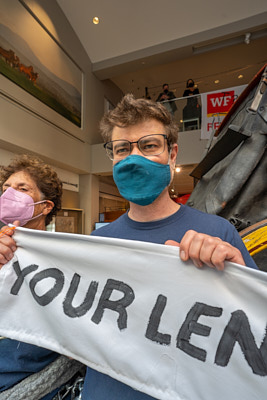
{"x": 186, "y": 112}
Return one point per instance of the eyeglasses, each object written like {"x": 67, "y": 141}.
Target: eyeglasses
{"x": 150, "y": 145}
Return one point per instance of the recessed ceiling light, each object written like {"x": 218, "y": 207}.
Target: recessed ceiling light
{"x": 240, "y": 76}
{"x": 95, "y": 20}
{"x": 177, "y": 169}
{"x": 217, "y": 81}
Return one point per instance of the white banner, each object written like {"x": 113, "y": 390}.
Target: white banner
{"x": 215, "y": 105}
{"x": 134, "y": 311}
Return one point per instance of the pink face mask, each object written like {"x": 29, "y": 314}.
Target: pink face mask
{"x": 15, "y": 205}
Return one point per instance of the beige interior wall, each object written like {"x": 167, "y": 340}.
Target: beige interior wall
{"x": 28, "y": 126}
{"x": 70, "y": 199}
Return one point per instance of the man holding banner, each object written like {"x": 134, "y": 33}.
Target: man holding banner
{"x": 141, "y": 139}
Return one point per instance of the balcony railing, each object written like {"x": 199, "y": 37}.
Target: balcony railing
{"x": 186, "y": 112}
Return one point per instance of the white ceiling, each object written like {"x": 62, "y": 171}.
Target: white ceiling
{"x": 144, "y": 43}
{"x": 128, "y": 26}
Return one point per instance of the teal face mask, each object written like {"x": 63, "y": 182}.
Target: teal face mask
{"x": 141, "y": 180}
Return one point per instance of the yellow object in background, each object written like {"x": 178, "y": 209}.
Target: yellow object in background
{"x": 256, "y": 241}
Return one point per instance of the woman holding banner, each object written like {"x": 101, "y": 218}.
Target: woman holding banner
{"x": 31, "y": 195}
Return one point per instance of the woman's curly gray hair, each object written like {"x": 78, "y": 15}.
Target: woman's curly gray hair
{"x": 43, "y": 175}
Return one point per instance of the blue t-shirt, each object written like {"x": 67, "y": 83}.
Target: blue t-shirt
{"x": 174, "y": 227}
{"x": 98, "y": 386}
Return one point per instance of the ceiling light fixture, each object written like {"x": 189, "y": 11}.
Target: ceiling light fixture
{"x": 202, "y": 48}
{"x": 95, "y": 20}
{"x": 217, "y": 81}
{"x": 177, "y": 169}
{"x": 240, "y": 76}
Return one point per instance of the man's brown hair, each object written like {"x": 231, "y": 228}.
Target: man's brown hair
{"x": 131, "y": 111}
{"x": 43, "y": 175}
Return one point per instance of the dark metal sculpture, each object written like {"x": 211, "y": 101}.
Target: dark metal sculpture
{"x": 233, "y": 174}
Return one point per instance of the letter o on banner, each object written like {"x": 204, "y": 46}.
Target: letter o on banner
{"x": 51, "y": 293}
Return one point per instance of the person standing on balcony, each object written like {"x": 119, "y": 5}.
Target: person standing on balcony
{"x": 167, "y": 95}
{"x": 191, "y": 89}
{"x": 192, "y": 110}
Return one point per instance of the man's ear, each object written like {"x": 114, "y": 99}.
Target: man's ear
{"x": 174, "y": 152}
{"x": 49, "y": 205}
